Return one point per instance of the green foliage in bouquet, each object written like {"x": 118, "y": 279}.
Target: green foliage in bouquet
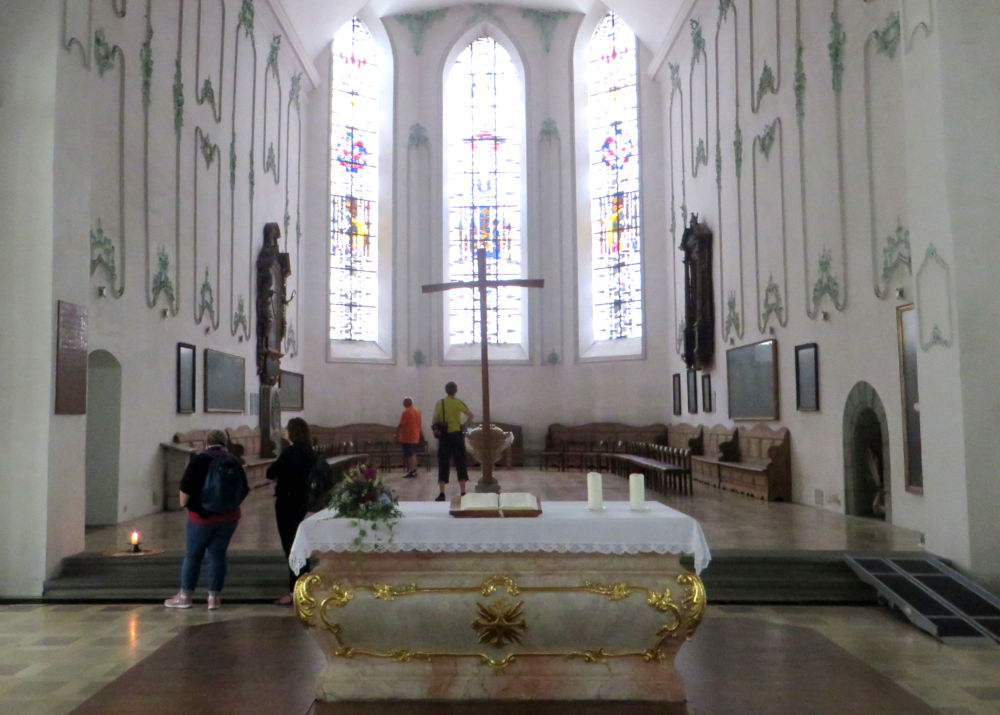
{"x": 362, "y": 497}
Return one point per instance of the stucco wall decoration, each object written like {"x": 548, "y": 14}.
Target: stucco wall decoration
{"x": 768, "y": 81}
{"x": 676, "y": 150}
{"x": 934, "y": 297}
{"x": 108, "y": 251}
{"x": 883, "y": 147}
{"x": 240, "y": 321}
{"x": 272, "y": 75}
{"x": 291, "y": 347}
{"x": 210, "y": 153}
{"x": 698, "y": 94}
{"x": 418, "y": 23}
{"x": 732, "y": 325}
{"x": 79, "y": 15}
{"x": 771, "y": 304}
{"x": 206, "y": 91}
{"x": 545, "y": 21}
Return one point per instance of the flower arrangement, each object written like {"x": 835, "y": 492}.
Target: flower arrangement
{"x": 363, "y": 497}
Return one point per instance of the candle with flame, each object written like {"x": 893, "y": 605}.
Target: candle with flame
{"x": 135, "y": 539}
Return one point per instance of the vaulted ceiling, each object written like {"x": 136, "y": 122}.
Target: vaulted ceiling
{"x": 317, "y": 20}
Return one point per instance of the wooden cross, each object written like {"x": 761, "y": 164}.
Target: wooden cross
{"x": 486, "y": 483}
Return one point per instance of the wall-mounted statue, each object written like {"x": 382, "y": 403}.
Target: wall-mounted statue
{"x": 699, "y": 303}
{"x": 273, "y": 269}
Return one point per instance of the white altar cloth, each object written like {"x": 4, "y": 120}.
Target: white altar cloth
{"x": 563, "y": 527}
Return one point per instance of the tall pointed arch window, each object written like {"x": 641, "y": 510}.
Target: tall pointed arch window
{"x": 484, "y": 140}
{"x": 613, "y": 148}
{"x": 354, "y": 185}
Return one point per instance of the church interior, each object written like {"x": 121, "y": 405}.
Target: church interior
{"x": 758, "y": 234}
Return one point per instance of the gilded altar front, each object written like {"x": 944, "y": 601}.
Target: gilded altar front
{"x": 550, "y": 626}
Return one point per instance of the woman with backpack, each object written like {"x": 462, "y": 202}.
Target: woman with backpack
{"x": 290, "y": 473}
{"x": 212, "y": 488}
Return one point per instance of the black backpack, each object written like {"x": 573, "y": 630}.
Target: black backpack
{"x": 319, "y": 482}
{"x": 225, "y": 485}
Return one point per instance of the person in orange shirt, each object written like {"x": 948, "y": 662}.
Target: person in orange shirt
{"x": 410, "y": 434}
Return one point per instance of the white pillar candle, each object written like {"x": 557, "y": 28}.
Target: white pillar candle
{"x": 637, "y": 492}
{"x": 595, "y": 491}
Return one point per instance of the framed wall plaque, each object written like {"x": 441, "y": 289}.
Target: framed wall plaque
{"x": 692, "y": 391}
{"x": 186, "y": 369}
{"x": 677, "y": 393}
{"x": 71, "y": 359}
{"x": 292, "y": 386}
{"x": 706, "y": 393}
{"x": 752, "y": 381}
{"x": 807, "y": 377}
{"x": 225, "y": 382}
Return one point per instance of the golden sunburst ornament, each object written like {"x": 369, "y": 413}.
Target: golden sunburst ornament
{"x": 499, "y": 623}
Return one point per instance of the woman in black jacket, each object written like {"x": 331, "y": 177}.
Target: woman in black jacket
{"x": 290, "y": 473}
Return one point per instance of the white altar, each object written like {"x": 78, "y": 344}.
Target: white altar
{"x": 573, "y": 604}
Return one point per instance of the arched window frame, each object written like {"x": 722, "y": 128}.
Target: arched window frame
{"x": 589, "y": 348}
{"x": 380, "y": 349}
{"x": 508, "y": 353}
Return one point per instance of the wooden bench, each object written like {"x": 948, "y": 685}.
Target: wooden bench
{"x": 376, "y": 440}
{"x": 584, "y": 446}
{"x": 662, "y": 465}
{"x": 755, "y": 461}
{"x": 243, "y": 440}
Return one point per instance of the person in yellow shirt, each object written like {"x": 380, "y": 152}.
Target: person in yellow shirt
{"x": 451, "y": 446}
{"x": 409, "y": 433}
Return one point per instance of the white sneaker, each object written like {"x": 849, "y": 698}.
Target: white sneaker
{"x": 214, "y": 601}
{"x": 181, "y": 600}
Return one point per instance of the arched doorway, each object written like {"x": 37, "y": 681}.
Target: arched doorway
{"x": 104, "y": 406}
{"x": 866, "y": 454}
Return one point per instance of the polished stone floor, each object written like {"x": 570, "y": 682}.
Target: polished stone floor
{"x": 730, "y": 521}
{"x": 745, "y": 660}
{"x": 257, "y": 659}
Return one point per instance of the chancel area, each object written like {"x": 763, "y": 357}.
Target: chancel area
{"x": 743, "y": 248}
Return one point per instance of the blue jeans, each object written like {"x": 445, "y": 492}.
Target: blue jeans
{"x": 212, "y": 539}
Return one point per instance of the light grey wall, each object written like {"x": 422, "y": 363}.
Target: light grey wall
{"x": 27, "y": 110}
{"x": 104, "y": 407}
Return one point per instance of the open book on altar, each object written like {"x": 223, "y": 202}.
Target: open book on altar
{"x": 507, "y": 504}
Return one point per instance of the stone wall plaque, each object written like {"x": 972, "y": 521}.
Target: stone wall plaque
{"x": 71, "y": 359}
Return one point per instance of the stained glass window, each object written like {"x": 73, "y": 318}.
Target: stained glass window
{"x": 354, "y": 184}
{"x": 484, "y": 127}
{"x": 614, "y": 181}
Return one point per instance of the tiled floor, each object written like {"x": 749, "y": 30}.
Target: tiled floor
{"x": 730, "y": 521}
{"x": 54, "y": 658}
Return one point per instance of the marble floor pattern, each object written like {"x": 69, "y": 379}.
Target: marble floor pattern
{"x": 54, "y": 658}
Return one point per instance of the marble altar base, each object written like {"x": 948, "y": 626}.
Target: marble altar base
{"x": 528, "y": 626}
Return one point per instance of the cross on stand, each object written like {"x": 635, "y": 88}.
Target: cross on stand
{"x": 486, "y": 483}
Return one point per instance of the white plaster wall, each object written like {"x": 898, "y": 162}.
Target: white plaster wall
{"x": 63, "y": 121}
{"x": 971, "y": 73}
{"x": 103, "y": 439}
{"x": 27, "y": 109}
{"x": 536, "y": 394}
{"x": 896, "y": 133}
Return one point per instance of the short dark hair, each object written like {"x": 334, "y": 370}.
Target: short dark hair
{"x": 407, "y": 402}
{"x": 298, "y": 431}
{"x": 216, "y": 436}
{"x": 451, "y": 388}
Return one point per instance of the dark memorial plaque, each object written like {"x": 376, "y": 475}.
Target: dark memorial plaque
{"x": 71, "y": 359}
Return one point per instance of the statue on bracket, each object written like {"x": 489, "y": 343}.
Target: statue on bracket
{"x": 699, "y": 303}
{"x": 273, "y": 269}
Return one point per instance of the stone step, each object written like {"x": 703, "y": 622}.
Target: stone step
{"x": 733, "y": 576}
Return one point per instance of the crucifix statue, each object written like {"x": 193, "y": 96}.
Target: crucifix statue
{"x": 486, "y": 482}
